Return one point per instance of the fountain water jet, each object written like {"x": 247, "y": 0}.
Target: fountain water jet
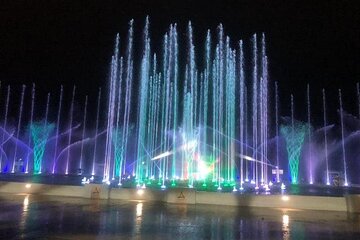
{"x": 19, "y": 125}
{"x": 70, "y": 132}
{"x": 342, "y": 137}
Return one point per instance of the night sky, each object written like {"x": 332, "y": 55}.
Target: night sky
{"x": 71, "y": 42}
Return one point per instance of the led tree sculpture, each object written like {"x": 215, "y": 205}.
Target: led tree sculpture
{"x": 118, "y": 150}
{"x": 39, "y": 132}
{"x": 294, "y": 135}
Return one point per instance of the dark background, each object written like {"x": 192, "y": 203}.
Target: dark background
{"x": 71, "y": 42}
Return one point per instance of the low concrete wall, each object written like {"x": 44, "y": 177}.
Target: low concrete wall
{"x": 181, "y": 196}
{"x": 350, "y": 203}
{"x": 353, "y": 203}
{"x": 44, "y": 189}
{"x": 137, "y": 194}
{"x": 273, "y": 201}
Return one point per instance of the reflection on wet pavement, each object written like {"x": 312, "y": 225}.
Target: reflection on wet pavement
{"x": 39, "y": 217}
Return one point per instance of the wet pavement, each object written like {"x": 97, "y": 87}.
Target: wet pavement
{"x": 39, "y": 217}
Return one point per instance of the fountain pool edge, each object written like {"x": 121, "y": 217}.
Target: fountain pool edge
{"x": 348, "y": 203}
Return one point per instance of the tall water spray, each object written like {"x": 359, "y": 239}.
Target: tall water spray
{"x": 57, "y": 129}
{"x": 70, "y": 131}
{"x": 96, "y": 131}
{"x": 311, "y": 179}
{"x": 277, "y": 131}
{"x": 83, "y": 135}
{"x": 325, "y": 138}
{"x": 5, "y": 122}
{"x": 346, "y": 183}
{"x": 19, "y": 125}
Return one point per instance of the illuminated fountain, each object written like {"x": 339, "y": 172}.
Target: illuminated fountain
{"x": 198, "y": 118}
{"x": 186, "y": 127}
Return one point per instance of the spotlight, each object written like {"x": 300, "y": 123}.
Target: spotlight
{"x": 28, "y": 185}
{"x": 285, "y": 198}
{"x": 140, "y": 192}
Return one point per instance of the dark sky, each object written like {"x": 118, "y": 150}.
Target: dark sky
{"x": 71, "y": 42}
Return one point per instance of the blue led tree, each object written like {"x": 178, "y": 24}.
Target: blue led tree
{"x": 118, "y": 149}
{"x": 294, "y": 135}
{"x": 40, "y": 132}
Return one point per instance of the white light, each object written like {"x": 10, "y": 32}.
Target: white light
{"x": 270, "y": 184}
{"x": 92, "y": 178}
{"x": 140, "y": 192}
{"x": 285, "y": 198}
{"x": 346, "y": 184}
{"x": 256, "y": 187}
{"x": 26, "y": 202}
{"x": 162, "y": 155}
{"x": 328, "y": 183}
{"x": 234, "y": 189}
{"x": 189, "y": 145}
{"x": 119, "y": 184}
{"x": 163, "y": 187}
{"x": 282, "y": 186}
{"x": 219, "y": 188}
{"x": 108, "y": 182}
{"x": 241, "y": 188}
{"x": 28, "y": 185}
{"x": 139, "y": 207}
{"x": 247, "y": 157}
{"x": 286, "y": 220}
{"x": 266, "y": 187}
{"x": 311, "y": 183}
{"x": 252, "y": 182}
{"x": 143, "y": 186}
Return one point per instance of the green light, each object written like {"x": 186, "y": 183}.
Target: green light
{"x": 294, "y": 136}
{"x": 39, "y": 133}
{"x": 118, "y": 150}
